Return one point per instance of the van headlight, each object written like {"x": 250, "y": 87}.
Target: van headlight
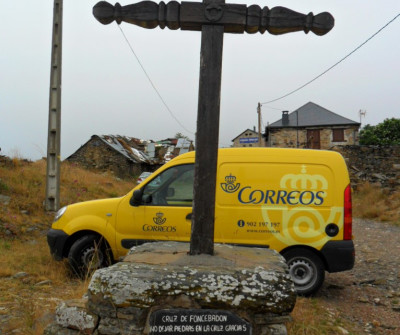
{"x": 60, "y": 213}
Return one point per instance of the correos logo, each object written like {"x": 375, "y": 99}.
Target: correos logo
{"x": 159, "y": 220}
{"x": 302, "y": 189}
{"x": 281, "y": 197}
{"x": 230, "y": 186}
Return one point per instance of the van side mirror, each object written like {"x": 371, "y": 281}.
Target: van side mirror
{"x": 136, "y": 198}
{"x": 147, "y": 198}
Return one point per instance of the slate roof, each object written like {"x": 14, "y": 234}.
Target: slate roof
{"x": 311, "y": 115}
{"x": 125, "y": 146}
{"x": 133, "y": 148}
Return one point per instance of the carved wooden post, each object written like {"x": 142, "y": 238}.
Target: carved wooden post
{"x": 205, "y": 172}
{"x": 213, "y": 18}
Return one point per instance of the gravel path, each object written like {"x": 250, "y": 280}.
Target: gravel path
{"x": 368, "y": 296}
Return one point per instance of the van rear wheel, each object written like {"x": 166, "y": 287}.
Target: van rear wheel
{"x": 306, "y": 269}
{"x": 88, "y": 254}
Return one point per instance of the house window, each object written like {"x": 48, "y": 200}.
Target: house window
{"x": 338, "y": 135}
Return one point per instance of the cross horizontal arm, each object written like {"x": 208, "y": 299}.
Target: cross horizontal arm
{"x": 193, "y": 15}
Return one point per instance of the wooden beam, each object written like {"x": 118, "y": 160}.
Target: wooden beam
{"x": 202, "y": 236}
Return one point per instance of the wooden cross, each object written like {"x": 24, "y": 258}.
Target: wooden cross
{"x": 213, "y": 18}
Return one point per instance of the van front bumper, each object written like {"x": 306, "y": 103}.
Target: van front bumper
{"x": 56, "y": 240}
{"x": 339, "y": 255}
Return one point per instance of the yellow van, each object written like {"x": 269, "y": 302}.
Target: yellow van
{"x": 295, "y": 201}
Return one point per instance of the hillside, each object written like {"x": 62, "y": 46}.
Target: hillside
{"x": 32, "y": 283}
{"x": 22, "y": 193}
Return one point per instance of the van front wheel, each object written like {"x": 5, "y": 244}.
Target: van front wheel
{"x": 87, "y": 254}
{"x": 306, "y": 269}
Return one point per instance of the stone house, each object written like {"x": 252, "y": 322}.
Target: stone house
{"x": 122, "y": 155}
{"x": 311, "y": 126}
{"x": 173, "y": 147}
{"x": 248, "y": 138}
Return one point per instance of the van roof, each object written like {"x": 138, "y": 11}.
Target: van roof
{"x": 280, "y": 152}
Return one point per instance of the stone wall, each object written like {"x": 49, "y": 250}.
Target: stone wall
{"x": 287, "y": 137}
{"x": 375, "y": 164}
{"x": 97, "y": 155}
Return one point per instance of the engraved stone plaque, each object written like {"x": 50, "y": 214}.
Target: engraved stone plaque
{"x": 197, "y": 321}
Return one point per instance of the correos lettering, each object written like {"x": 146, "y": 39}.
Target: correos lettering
{"x": 163, "y": 229}
{"x": 281, "y": 197}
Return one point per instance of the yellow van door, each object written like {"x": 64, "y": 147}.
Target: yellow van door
{"x": 128, "y": 227}
{"x": 167, "y": 223}
{"x": 168, "y": 204}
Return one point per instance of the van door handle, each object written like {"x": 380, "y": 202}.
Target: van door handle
{"x": 189, "y": 216}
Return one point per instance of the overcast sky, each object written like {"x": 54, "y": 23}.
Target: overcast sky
{"x": 104, "y": 89}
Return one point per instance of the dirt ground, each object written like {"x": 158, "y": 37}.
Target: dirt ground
{"x": 368, "y": 296}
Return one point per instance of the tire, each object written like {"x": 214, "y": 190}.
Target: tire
{"x": 88, "y": 254}
{"x": 306, "y": 269}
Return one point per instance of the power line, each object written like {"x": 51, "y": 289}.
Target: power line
{"x": 278, "y": 109}
{"x": 152, "y": 84}
{"x": 337, "y": 63}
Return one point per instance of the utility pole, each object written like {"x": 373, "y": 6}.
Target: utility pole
{"x": 52, "y": 202}
{"x": 259, "y": 124}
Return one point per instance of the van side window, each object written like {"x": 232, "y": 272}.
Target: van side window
{"x": 173, "y": 187}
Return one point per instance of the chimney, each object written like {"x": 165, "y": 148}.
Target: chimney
{"x": 285, "y": 118}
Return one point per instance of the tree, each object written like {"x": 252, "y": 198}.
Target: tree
{"x": 384, "y": 133}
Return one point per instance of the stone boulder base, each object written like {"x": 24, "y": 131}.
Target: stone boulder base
{"x": 252, "y": 283}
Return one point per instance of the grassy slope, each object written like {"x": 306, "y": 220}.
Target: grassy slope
{"x": 372, "y": 202}
{"x": 32, "y": 283}
{"x": 31, "y": 297}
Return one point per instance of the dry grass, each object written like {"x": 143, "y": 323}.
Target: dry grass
{"x": 31, "y": 282}
{"x": 25, "y": 183}
{"x": 32, "y": 285}
{"x": 78, "y": 185}
{"x": 373, "y": 202}
{"x": 309, "y": 318}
